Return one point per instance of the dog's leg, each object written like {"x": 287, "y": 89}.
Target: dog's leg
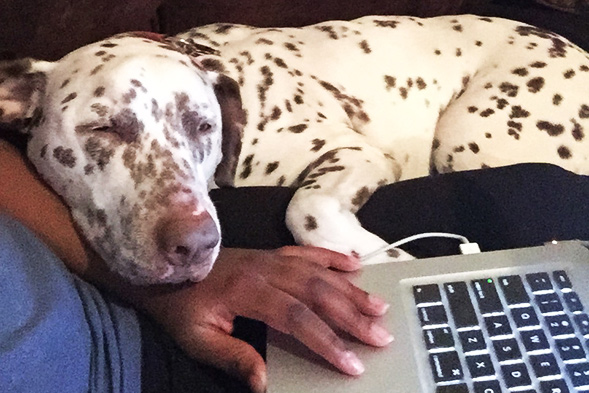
{"x": 330, "y": 192}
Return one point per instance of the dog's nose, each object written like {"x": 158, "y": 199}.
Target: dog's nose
{"x": 187, "y": 239}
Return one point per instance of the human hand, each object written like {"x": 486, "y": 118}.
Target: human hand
{"x": 292, "y": 289}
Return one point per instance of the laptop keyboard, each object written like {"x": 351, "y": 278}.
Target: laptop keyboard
{"x": 524, "y": 333}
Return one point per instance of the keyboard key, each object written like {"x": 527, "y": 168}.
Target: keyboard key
{"x": 480, "y": 366}
{"x": 579, "y": 373}
{"x": 516, "y": 375}
{"x": 486, "y": 295}
{"x": 487, "y": 387}
{"x": 457, "y": 388}
{"x": 582, "y": 321}
{"x": 548, "y": 302}
{"x": 498, "y": 325}
{"x": 559, "y": 325}
{"x": 461, "y": 306}
{"x": 544, "y": 365}
{"x": 573, "y": 302}
{"x": 570, "y": 348}
{"x": 426, "y": 294}
{"x": 562, "y": 280}
{"x": 472, "y": 340}
{"x": 513, "y": 289}
{"x": 438, "y": 338}
{"x": 539, "y": 281}
{"x": 432, "y": 315}
{"x": 507, "y": 349}
{"x": 534, "y": 340}
{"x": 525, "y": 316}
{"x": 446, "y": 366}
{"x": 554, "y": 386}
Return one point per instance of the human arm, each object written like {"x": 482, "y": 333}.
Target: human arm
{"x": 291, "y": 288}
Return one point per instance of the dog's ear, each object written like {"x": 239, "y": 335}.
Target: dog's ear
{"x": 22, "y": 86}
{"x": 233, "y": 118}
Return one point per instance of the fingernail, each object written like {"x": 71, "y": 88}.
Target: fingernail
{"x": 379, "y": 303}
{"x": 382, "y": 336}
{"x": 354, "y": 365}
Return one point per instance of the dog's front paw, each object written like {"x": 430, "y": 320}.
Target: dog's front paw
{"x": 319, "y": 220}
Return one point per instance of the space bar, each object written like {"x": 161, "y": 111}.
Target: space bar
{"x": 461, "y": 306}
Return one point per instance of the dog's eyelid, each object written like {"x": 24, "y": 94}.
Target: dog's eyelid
{"x": 105, "y": 127}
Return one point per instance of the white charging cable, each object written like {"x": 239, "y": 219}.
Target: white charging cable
{"x": 466, "y": 247}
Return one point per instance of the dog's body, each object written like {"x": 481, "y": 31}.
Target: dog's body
{"x": 335, "y": 110}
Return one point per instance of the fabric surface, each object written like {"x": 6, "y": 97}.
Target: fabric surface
{"x": 58, "y": 333}
{"x": 516, "y": 206}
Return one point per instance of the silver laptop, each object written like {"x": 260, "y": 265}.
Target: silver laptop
{"x": 504, "y": 321}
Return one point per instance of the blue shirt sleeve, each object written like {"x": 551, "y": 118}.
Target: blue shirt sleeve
{"x": 57, "y": 332}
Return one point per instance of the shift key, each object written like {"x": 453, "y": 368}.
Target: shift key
{"x": 461, "y": 306}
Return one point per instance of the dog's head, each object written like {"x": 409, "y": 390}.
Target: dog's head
{"x": 130, "y": 131}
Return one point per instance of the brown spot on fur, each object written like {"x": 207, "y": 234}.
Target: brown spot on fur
{"x": 386, "y": 23}
{"x": 310, "y": 223}
{"x": 247, "y": 167}
{"x": 96, "y": 69}
{"x": 556, "y": 99}
{"x": 99, "y": 91}
{"x": 474, "y": 147}
{"x": 271, "y": 167}
{"x": 298, "y": 128}
{"x": 502, "y": 103}
{"x": 584, "y": 111}
{"x": 487, "y": 112}
{"x": 127, "y": 126}
{"x": 362, "y": 195}
{"x": 538, "y": 64}
{"x": 578, "y": 132}
{"x": 98, "y": 152}
{"x": 518, "y": 112}
{"x": 317, "y": 144}
{"x": 535, "y": 84}
{"x": 569, "y": 74}
{"x": 99, "y": 109}
{"x": 564, "y": 152}
{"x": 365, "y": 47}
{"x": 520, "y": 71}
{"x": 276, "y": 112}
{"x": 280, "y": 63}
{"x": 69, "y": 97}
{"x": 508, "y": 88}
{"x": 64, "y": 156}
{"x": 390, "y": 81}
{"x": 550, "y": 128}
{"x": 213, "y": 65}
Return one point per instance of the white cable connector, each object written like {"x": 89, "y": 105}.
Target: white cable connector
{"x": 469, "y": 248}
{"x": 466, "y": 247}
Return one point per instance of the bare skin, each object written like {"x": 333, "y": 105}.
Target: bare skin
{"x": 297, "y": 290}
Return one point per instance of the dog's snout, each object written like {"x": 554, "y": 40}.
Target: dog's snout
{"x": 188, "y": 239}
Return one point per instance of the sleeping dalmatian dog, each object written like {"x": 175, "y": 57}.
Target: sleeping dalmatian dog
{"x": 133, "y": 130}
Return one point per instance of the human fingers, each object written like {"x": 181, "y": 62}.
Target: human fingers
{"x": 294, "y": 271}
{"x": 231, "y": 355}
{"x": 342, "y": 312}
{"x": 262, "y": 301}
{"x": 323, "y": 257}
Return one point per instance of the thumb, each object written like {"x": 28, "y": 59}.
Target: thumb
{"x": 233, "y": 356}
